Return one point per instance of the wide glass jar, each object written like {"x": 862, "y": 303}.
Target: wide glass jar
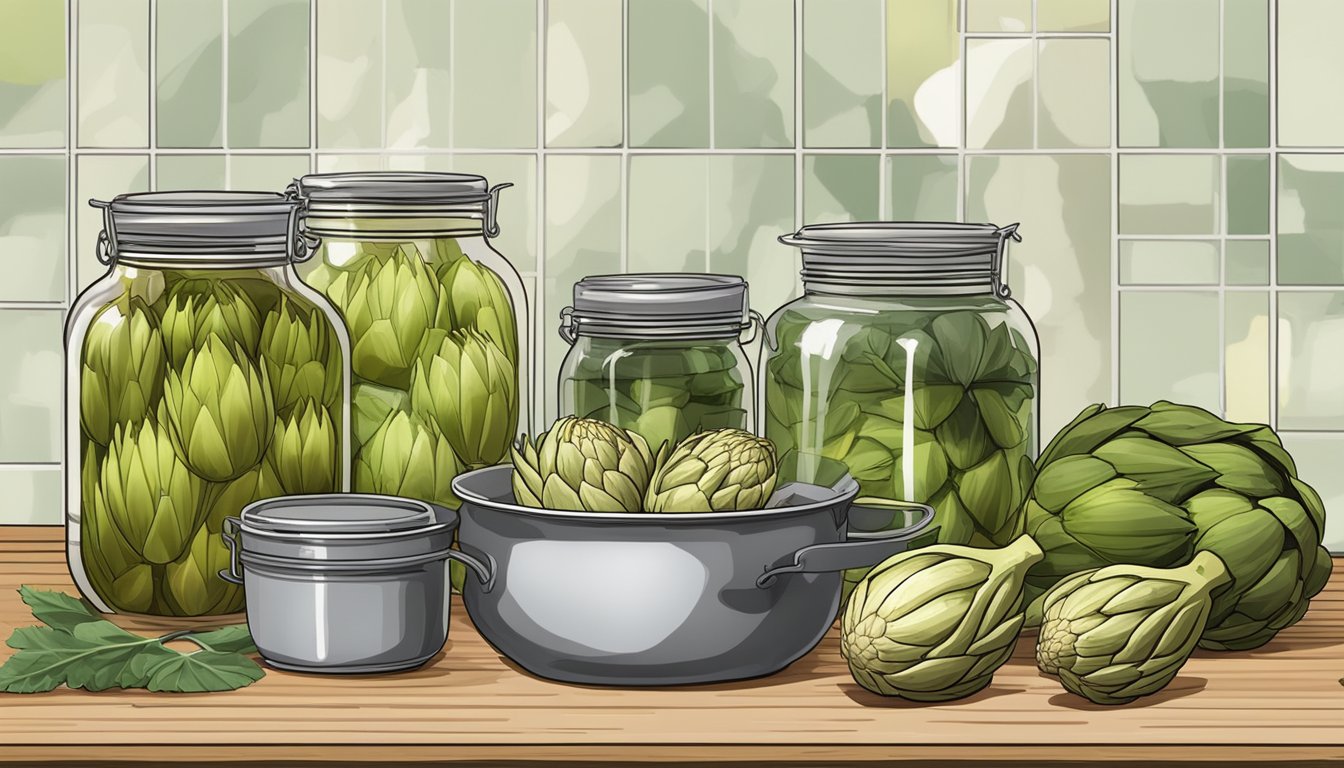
{"x": 201, "y": 375}
{"x": 659, "y": 354}
{"x": 907, "y": 360}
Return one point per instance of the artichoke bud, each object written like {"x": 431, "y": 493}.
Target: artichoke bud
{"x": 717, "y": 471}
{"x": 469, "y": 389}
{"x": 192, "y": 582}
{"x": 121, "y": 369}
{"x": 934, "y": 624}
{"x": 408, "y": 458}
{"x": 583, "y": 465}
{"x": 220, "y": 410}
{"x": 228, "y": 499}
{"x": 198, "y": 309}
{"x": 390, "y": 312}
{"x": 304, "y": 451}
{"x": 152, "y": 498}
{"x": 1124, "y": 631}
{"x": 370, "y": 405}
{"x": 475, "y": 298}
{"x": 296, "y": 349}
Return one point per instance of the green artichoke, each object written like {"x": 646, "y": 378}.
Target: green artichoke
{"x": 305, "y": 451}
{"x": 719, "y": 471}
{"x": 370, "y": 405}
{"x": 408, "y": 458}
{"x": 934, "y": 624}
{"x": 390, "y": 309}
{"x": 228, "y": 499}
{"x": 583, "y": 465}
{"x": 192, "y": 585}
{"x": 220, "y": 410}
{"x": 152, "y": 498}
{"x": 200, "y": 308}
{"x": 469, "y": 389}
{"x": 1124, "y": 631}
{"x": 297, "y": 350}
{"x": 1152, "y": 485}
{"x": 121, "y": 368}
{"x": 118, "y": 574}
{"x": 475, "y": 298}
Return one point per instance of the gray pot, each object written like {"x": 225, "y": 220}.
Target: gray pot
{"x": 644, "y": 599}
{"x": 343, "y": 583}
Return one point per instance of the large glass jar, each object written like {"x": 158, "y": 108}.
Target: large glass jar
{"x": 907, "y": 360}
{"x": 201, "y": 375}
{"x": 659, "y": 354}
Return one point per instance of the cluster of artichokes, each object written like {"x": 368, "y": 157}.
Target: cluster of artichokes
{"x": 593, "y": 466}
{"x": 198, "y": 393}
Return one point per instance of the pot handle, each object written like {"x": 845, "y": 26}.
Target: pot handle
{"x": 234, "y": 573}
{"x": 483, "y": 569}
{"x": 859, "y": 550}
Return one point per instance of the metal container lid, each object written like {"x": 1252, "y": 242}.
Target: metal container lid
{"x": 207, "y": 229}
{"x": 923, "y": 257}
{"x": 653, "y": 305}
{"x": 344, "y": 527}
{"x": 398, "y": 194}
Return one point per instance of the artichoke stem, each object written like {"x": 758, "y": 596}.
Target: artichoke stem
{"x": 1023, "y": 550}
{"x": 1210, "y": 569}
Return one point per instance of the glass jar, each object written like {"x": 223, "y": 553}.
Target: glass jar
{"x": 201, "y": 375}
{"x": 659, "y": 354}
{"x": 907, "y": 360}
{"x": 437, "y": 318}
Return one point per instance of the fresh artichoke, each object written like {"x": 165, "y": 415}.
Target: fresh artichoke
{"x": 220, "y": 410}
{"x": 1124, "y": 631}
{"x": 299, "y": 356}
{"x": 305, "y": 451}
{"x": 719, "y": 471}
{"x": 390, "y": 308}
{"x": 200, "y": 308}
{"x": 121, "y": 368}
{"x": 1152, "y": 485}
{"x": 192, "y": 584}
{"x": 118, "y": 574}
{"x": 934, "y": 624}
{"x": 583, "y": 465}
{"x": 474, "y": 298}
{"x": 469, "y": 389}
{"x": 151, "y": 497}
{"x": 408, "y": 458}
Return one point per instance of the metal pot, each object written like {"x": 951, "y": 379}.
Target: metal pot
{"x": 343, "y": 583}
{"x": 644, "y": 599}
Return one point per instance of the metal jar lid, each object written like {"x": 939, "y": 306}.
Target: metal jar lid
{"x": 343, "y": 527}
{"x": 207, "y": 229}
{"x": 873, "y": 257}
{"x": 657, "y": 305}
{"x": 398, "y": 195}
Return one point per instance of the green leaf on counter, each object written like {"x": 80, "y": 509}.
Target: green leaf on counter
{"x": 203, "y": 671}
{"x": 57, "y": 609}
{"x": 232, "y": 639}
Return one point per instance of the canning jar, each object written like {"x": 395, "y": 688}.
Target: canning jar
{"x": 659, "y": 354}
{"x": 437, "y": 320}
{"x": 907, "y": 359}
{"x": 201, "y": 375}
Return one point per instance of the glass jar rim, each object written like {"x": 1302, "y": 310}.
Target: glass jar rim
{"x": 418, "y": 200}
{"x": 206, "y": 229}
{"x": 658, "y": 305}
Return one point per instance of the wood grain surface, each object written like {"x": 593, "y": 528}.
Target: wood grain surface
{"x": 1281, "y": 703}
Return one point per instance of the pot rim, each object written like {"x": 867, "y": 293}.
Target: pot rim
{"x": 846, "y": 490}
{"x": 307, "y": 532}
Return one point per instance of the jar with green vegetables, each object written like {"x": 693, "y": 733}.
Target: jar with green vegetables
{"x": 907, "y": 360}
{"x": 201, "y": 376}
{"x": 659, "y": 354}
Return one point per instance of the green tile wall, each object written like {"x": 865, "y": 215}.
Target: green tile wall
{"x": 1172, "y": 163}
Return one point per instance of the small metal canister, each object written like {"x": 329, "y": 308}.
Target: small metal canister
{"x": 344, "y": 583}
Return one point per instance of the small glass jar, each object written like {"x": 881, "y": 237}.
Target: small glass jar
{"x": 907, "y": 360}
{"x": 662, "y": 355}
{"x": 201, "y": 376}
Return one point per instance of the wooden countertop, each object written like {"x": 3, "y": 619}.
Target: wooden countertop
{"x": 1282, "y": 703}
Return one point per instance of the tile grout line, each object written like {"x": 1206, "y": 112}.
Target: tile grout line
{"x": 624, "y": 150}
{"x": 1272, "y": 364}
{"x": 152, "y": 75}
{"x": 312, "y": 85}
{"x": 883, "y": 180}
{"x": 224, "y": 90}
{"x": 713, "y": 129}
{"x": 1114, "y": 99}
{"x": 537, "y": 312}
{"x": 1035, "y": 81}
{"x": 780, "y": 151}
{"x": 963, "y": 167}
{"x": 382, "y": 81}
{"x": 799, "y": 126}
{"x": 71, "y": 159}
{"x": 1223, "y": 213}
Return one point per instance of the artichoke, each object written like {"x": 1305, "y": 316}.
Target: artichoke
{"x": 583, "y": 465}
{"x": 934, "y": 624}
{"x": 192, "y": 585}
{"x": 305, "y": 451}
{"x": 407, "y": 458}
{"x": 220, "y": 411}
{"x": 152, "y": 498}
{"x": 228, "y": 499}
{"x": 1152, "y": 485}
{"x": 1124, "y": 631}
{"x": 121, "y": 368}
{"x": 720, "y": 471}
{"x": 469, "y": 389}
{"x": 297, "y": 351}
{"x": 370, "y": 405}
{"x": 115, "y": 570}
{"x": 198, "y": 309}
{"x": 390, "y": 309}
{"x": 475, "y": 298}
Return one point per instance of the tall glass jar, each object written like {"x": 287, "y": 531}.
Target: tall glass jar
{"x": 201, "y": 375}
{"x": 907, "y": 359}
{"x": 659, "y": 354}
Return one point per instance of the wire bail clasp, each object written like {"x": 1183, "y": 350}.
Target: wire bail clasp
{"x": 492, "y": 208}
{"x": 996, "y": 266}
{"x": 106, "y": 248}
